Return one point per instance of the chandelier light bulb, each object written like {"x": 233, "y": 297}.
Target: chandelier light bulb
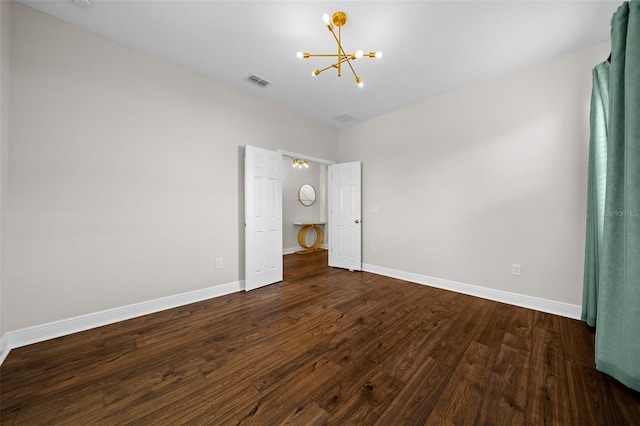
{"x": 359, "y": 82}
{"x": 325, "y": 18}
{"x": 316, "y": 72}
{"x": 299, "y": 54}
{"x": 359, "y": 54}
{"x": 378, "y": 54}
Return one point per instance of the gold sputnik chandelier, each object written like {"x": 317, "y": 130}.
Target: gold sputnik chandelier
{"x": 338, "y": 19}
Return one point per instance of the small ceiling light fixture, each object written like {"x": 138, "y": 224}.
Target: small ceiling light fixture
{"x": 300, "y": 163}
{"x": 338, "y": 19}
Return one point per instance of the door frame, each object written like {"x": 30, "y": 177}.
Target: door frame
{"x": 291, "y": 154}
{"x": 304, "y": 157}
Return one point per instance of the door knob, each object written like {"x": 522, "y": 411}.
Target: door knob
{"x": 357, "y": 221}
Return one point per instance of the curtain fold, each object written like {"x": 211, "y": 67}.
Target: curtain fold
{"x": 613, "y": 263}
{"x": 596, "y": 190}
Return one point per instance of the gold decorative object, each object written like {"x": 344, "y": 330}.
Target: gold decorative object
{"x": 302, "y": 237}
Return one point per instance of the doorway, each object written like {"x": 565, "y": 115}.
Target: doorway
{"x": 339, "y": 201}
{"x": 307, "y": 210}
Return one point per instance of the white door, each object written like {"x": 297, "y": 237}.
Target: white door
{"x": 263, "y": 217}
{"x": 345, "y": 228}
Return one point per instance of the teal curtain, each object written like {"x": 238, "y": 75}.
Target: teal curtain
{"x": 612, "y": 267}
{"x": 596, "y": 190}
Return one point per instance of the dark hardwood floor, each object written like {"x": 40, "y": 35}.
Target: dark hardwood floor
{"x": 325, "y": 346}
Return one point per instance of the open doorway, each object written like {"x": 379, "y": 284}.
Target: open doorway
{"x": 339, "y": 186}
{"x": 303, "y": 207}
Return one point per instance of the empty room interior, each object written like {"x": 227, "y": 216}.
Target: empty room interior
{"x": 283, "y": 212}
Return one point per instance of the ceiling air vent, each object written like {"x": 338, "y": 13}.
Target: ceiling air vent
{"x": 344, "y": 118}
{"x": 257, "y": 80}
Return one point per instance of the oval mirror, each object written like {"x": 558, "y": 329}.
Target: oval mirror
{"x": 307, "y": 194}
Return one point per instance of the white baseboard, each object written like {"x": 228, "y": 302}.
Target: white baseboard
{"x": 40, "y": 333}
{"x": 51, "y": 330}
{"x": 531, "y": 302}
{"x": 4, "y": 349}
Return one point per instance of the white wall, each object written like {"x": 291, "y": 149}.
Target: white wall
{"x": 124, "y": 177}
{"x": 125, "y": 173}
{"x": 5, "y": 23}
{"x": 293, "y": 210}
{"x": 491, "y": 175}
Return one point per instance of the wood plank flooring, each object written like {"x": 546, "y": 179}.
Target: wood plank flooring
{"x": 325, "y": 346}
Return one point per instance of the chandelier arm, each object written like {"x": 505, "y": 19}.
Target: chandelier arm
{"x": 325, "y": 54}
{"x": 335, "y": 65}
{"x": 326, "y": 68}
{"x": 344, "y": 59}
{"x": 348, "y": 59}
{"x": 351, "y": 66}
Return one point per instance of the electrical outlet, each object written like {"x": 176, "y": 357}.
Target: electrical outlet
{"x": 219, "y": 263}
{"x": 516, "y": 270}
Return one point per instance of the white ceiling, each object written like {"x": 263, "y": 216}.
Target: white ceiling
{"x": 430, "y": 47}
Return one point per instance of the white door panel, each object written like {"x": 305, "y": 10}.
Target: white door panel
{"x": 263, "y": 217}
{"x": 345, "y": 206}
